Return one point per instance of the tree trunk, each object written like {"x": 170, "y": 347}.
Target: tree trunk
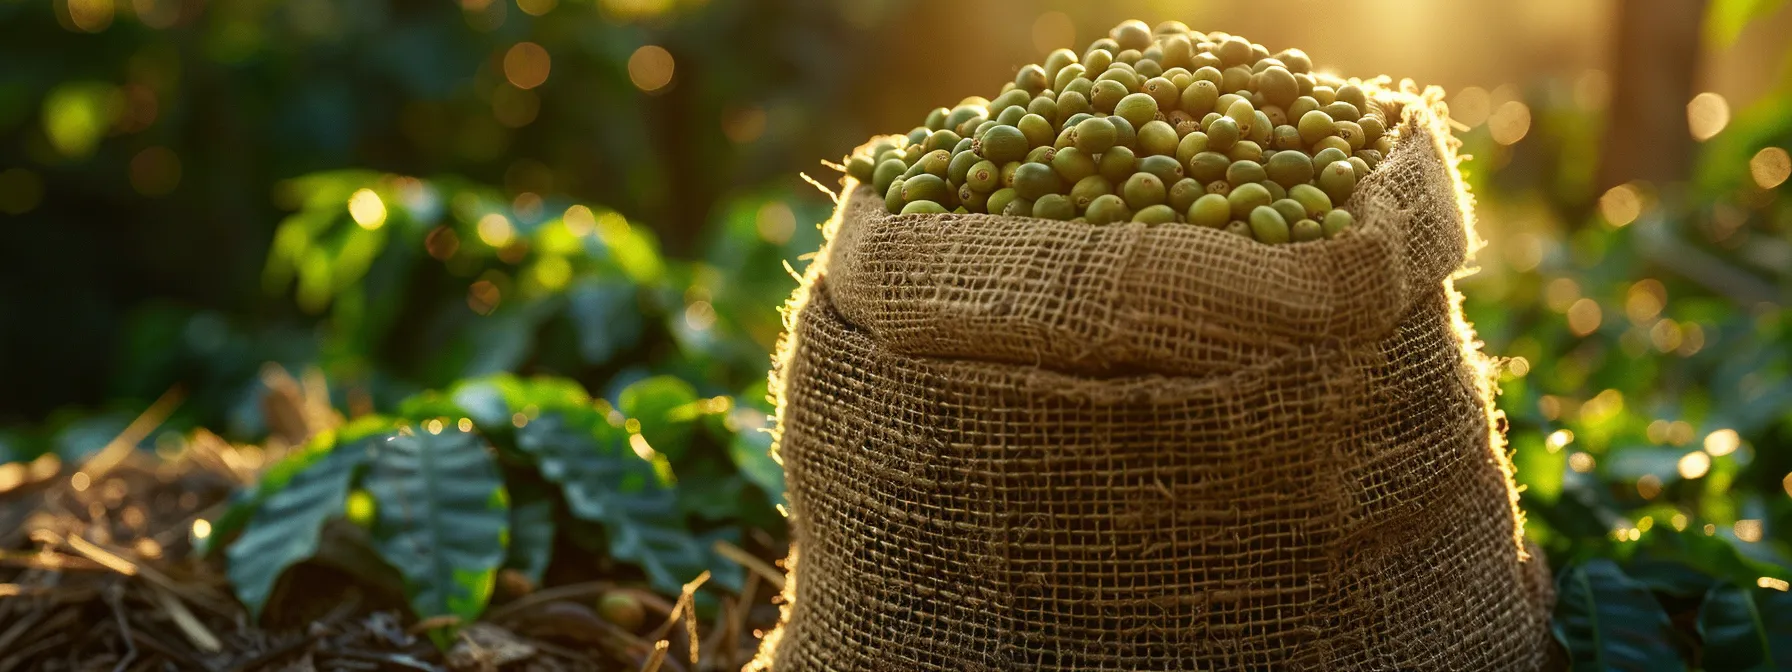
{"x": 1654, "y": 60}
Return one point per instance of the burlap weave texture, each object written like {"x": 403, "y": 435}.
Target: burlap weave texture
{"x": 1019, "y": 444}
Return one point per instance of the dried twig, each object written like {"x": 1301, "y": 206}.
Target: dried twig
{"x": 126, "y": 442}
{"x": 657, "y": 658}
{"x": 751, "y": 562}
{"x": 115, "y": 599}
{"x": 196, "y": 632}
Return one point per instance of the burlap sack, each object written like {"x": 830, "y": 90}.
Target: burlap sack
{"x": 1018, "y": 444}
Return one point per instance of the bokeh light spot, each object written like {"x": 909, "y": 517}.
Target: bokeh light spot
{"x": 1666, "y": 336}
{"x": 1649, "y": 486}
{"x": 700, "y": 315}
{"x": 553, "y": 272}
{"x": 89, "y": 16}
{"x": 483, "y": 297}
{"x": 536, "y": 7}
{"x": 1722, "y": 442}
{"x": 527, "y": 206}
{"x": 1561, "y": 293}
{"x": 1471, "y": 106}
{"x": 1621, "y": 204}
{"x": 1584, "y": 317}
{"x": 579, "y": 220}
{"x": 77, "y": 114}
{"x": 1581, "y": 463}
{"x": 1645, "y": 300}
{"x": 1707, "y": 115}
{"x": 157, "y": 13}
{"x": 1748, "y": 530}
{"x": 441, "y": 243}
{"x": 495, "y": 230}
{"x": 775, "y": 222}
{"x": 526, "y": 65}
{"x": 1694, "y": 464}
{"x": 650, "y": 68}
{"x": 1558, "y": 440}
{"x": 1770, "y": 167}
{"x": 1053, "y": 30}
{"x": 367, "y": 209}
{"x": 1679, "y": 432}
{"x": 1510, "y": 122}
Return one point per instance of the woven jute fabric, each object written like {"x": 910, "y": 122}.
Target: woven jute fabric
{"x": 1020, "y": 444}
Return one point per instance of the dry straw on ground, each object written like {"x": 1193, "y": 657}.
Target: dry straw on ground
{"x": 1027, "y": 444}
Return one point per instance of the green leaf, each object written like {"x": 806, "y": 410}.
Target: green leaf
{"x": 607, "y": 316}
{"x": 443, "y": 520}
{"x": 282, "y": 523}
{"x": 665, "y": 407}
{"x": 492, "y": 401}
{"x": 1744, "y": 631}
{"x": 531, "y": 529}
{"x": 1607, "y": 621}
{"x": 716, "y": 489}
{"x": 606, "y": 482}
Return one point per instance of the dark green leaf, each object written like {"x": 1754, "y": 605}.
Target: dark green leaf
{"x": 531, "y": 529}
{"x": 283, "y": 521}
{"x": 710, "y": 488}
{"x": 443, "y": 519}
{"x": 606, "y": 482}
{"x": 1607, "y": 621}
{"x": 1744, "y": 631}
{"x": 607, "y": 315}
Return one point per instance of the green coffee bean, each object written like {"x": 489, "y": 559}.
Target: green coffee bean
{"x": 1089, "y": 188}
{"x": 1335, "y": 222}
{"x": 1117, "y": 164}
{"x": 1184, "y": 193}
{"x": 1073, "y": 164}
{"x": 1211, "y": 211}
{"x": 1268, "y": 227}
{"x": 1107, "y": 209}
{"x": 1209, "y": 167}
{"x": 1157, "y": 137}
{"x": 1143, "y": 190}
{"x": 1094, "y": 135}
{"x": 1304, "y": 230}
{"x": 1241, "y": 172}
{"x": 1247, "y": 197}
{"x": 1034, "y": 180}
{"x": 1312, "y": 199}
{"x": 998, "y": 201}
{"x": 922, "y": 208}
{"x": 1155, "y": 214}
{"x": 1166, "y": 168}
{"x": 893, "y": 197}
{"x": 1054, "y": 206}
{"x": 1338, "y": 180}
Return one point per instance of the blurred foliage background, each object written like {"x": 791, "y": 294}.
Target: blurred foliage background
{"x": 405, "y": 194}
